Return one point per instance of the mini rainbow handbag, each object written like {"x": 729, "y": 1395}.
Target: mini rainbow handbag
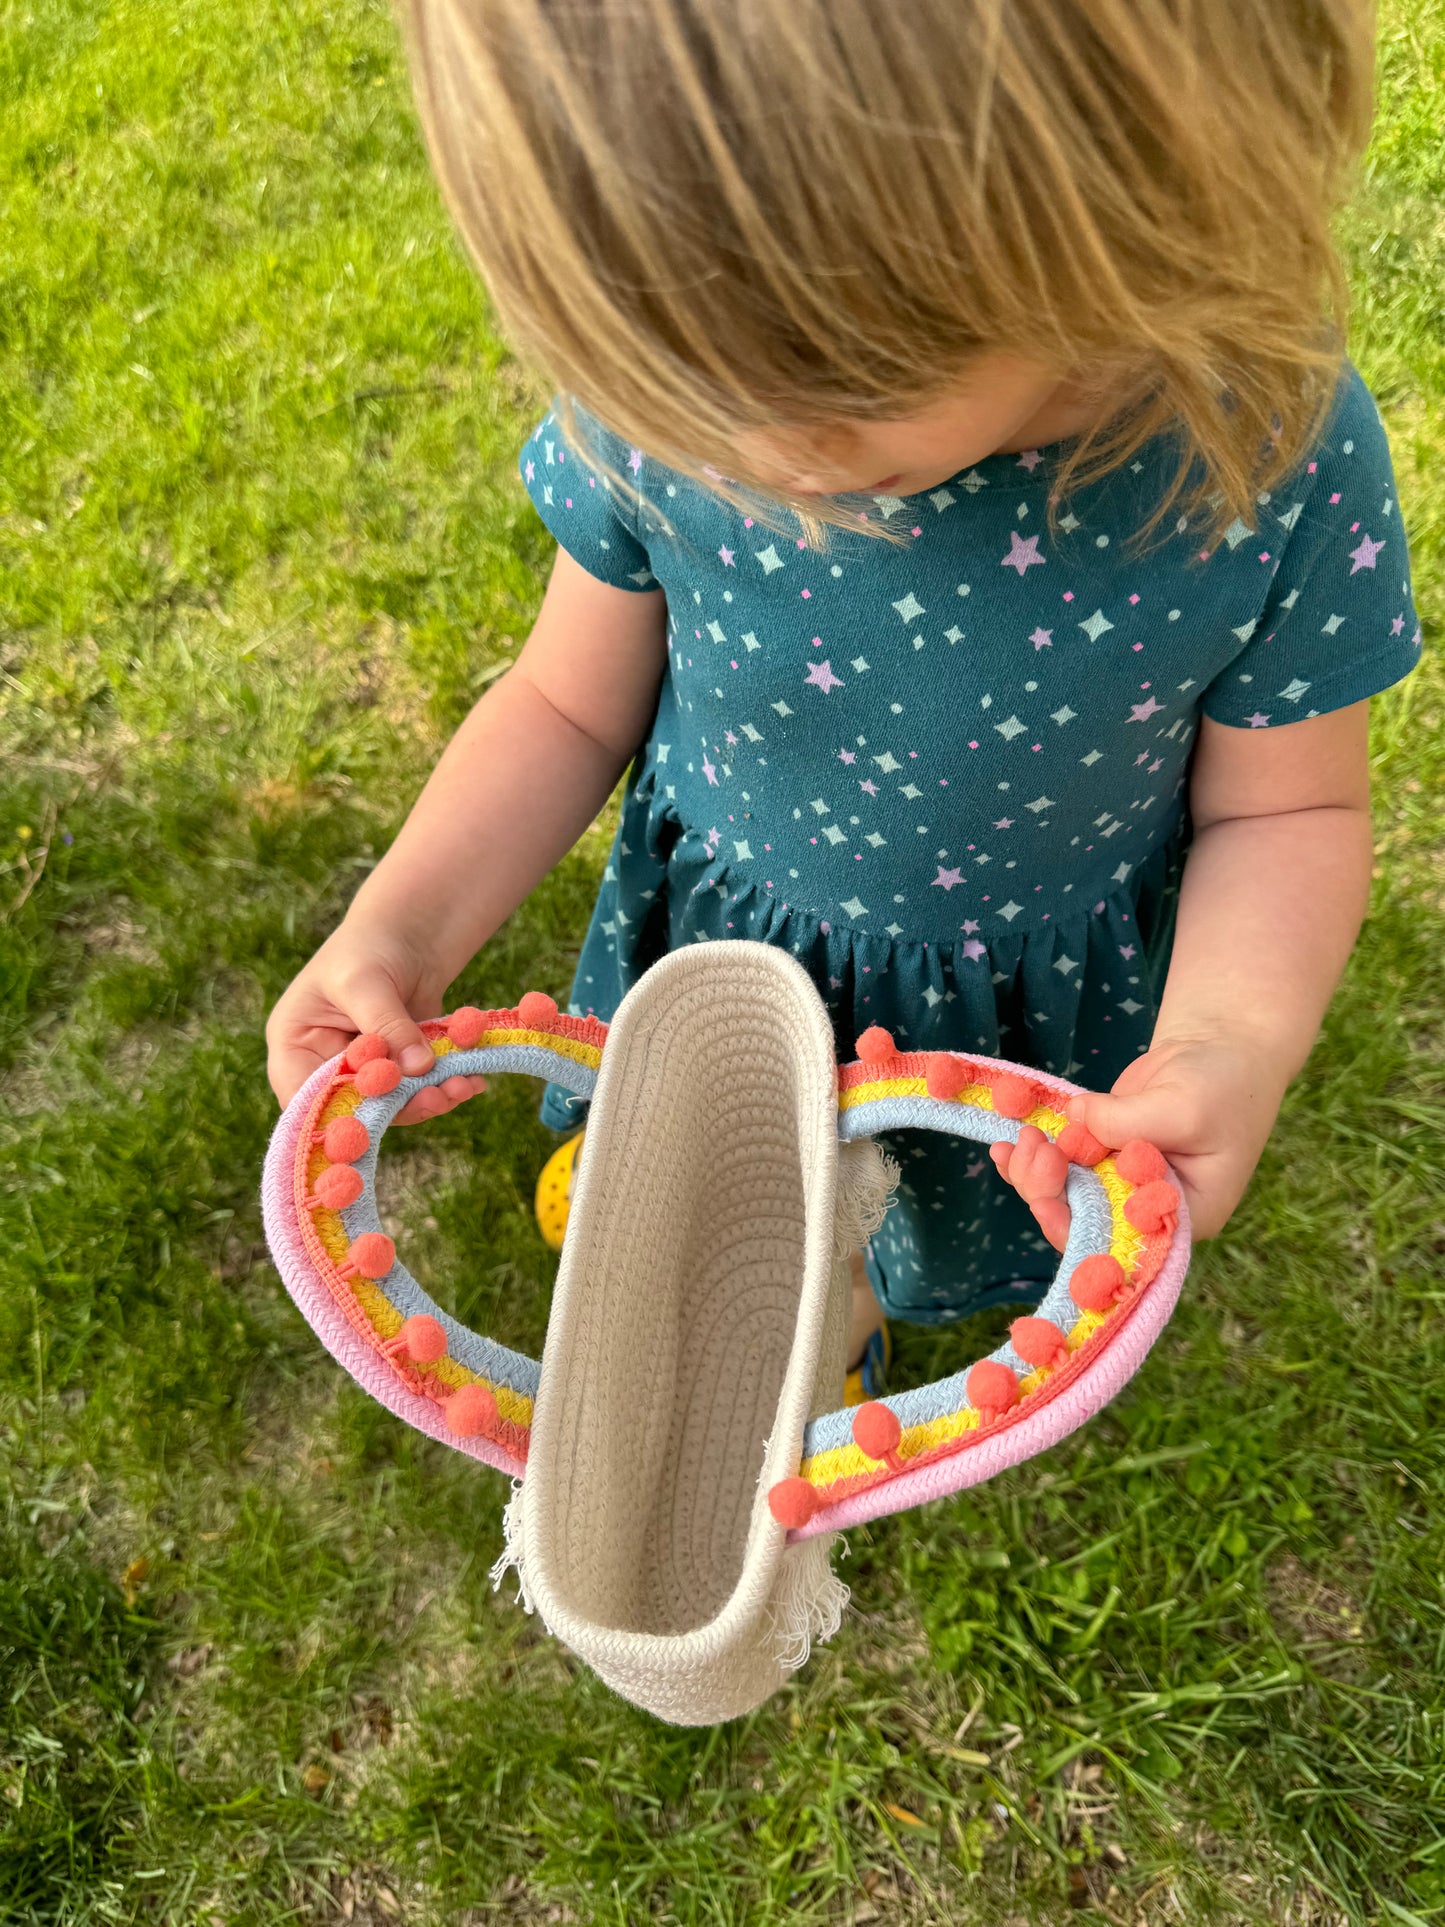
{"x": 682, "y": 1458}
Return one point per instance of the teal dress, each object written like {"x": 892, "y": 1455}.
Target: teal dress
{"x": 951, "y": 774}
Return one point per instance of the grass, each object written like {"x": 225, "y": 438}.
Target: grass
{"x": 260, "y": 545}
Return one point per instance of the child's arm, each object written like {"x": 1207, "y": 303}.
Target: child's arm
{"x": 519, "y": 782}
{"x": 1275, "y": 887}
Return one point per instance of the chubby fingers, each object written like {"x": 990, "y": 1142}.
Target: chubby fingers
{"x": 437, "y": 1099}
{"x": 1038, "y": 1171}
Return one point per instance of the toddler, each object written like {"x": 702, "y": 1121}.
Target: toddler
{"x": 972, "y": 544}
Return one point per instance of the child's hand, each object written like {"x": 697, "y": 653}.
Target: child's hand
{"x": 1208, "y": 1104}
{"x": 359, "y": 982}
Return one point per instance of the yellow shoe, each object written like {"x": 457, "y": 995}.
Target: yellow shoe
{"x": 554, "y": 1192}
{"x": 869, "y": 1379}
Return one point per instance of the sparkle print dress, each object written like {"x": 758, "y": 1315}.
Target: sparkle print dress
{"x": 951, "y": 775}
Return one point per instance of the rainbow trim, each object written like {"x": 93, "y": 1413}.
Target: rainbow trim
{"x": 885, "y": 1089}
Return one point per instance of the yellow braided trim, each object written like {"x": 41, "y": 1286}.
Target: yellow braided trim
{"x": 1126, "y": 1243}
{"x": 588, "y": 1054}
{"x": 1048, "y": 1120}
{"x": 849, "y": 1462}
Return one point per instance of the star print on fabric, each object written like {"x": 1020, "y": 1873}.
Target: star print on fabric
{"x": 969, "y": 926}
{"x": 973, "y": 949}
{"x": 1366, "y": 555}
{"x": 725, "y": 556}
{"x": 1022, "y": 555}
{"x": 1030, "y": 460}
{"x": 1126, "y": 951}
{"x": 1141, "y": 712}
{"x": 847, "y": 756}
{"x": 634, "y": 461}
{"x": 868, "y": 786}
{"x": 1397, "y": 627}
{"x": 946, "y": 879}
{"x": 709, "y": 770}
{"x": 1042, "y": 639}
{"x": 820, "y": 675}
{"x": 1257, "y": 721}
{"x": 1004, "y": 823}
{"x": 530, "y": 471}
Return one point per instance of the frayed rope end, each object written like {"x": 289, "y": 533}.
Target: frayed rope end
{"x": 809, "y": 1602}
{"x": 513, "y": 1556}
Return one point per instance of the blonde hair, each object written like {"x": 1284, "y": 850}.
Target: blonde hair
{"x": 703, "y": 217}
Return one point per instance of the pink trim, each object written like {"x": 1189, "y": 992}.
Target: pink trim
{"x": 319, "y": 1309}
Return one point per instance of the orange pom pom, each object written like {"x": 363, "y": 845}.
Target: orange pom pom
{"x": 875, "y": 1044}
{"x": 992, "y": 1388}
{"x": 1097, "y": 1282}
{"x": 345, "y": 1139}
{"x": 1153, "y": 1207}
{"x": 372, "y": 1254}
{"x": 793, "y": 1502}
{"x": 1140, "y": 1162}
{"x": 1013, "y": 1096}
{"x": 465, "y": 1026}
{"x": 365, "y": 1049}
{"x": 378, "y": 1076}
{"x": 338, "y": 1186}
{"x": 422, "y": 1338}
{"x": 948, "y": 1075}
{"x": 471, "y": 1409}
{"x": 876, "y": 1430}
{"x": 1080, "y": 1146}
{"x": 1038, "y": 1342}
{"x": 537, "y": 1009}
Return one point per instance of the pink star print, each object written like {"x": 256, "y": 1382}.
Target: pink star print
{"x": 1256, "y": 721}
{"x": 634, "y": 461}
{"x": 1156, "y": 766}
{"x": 973, "y": 950}
{"x": 709, "y": 770}
{"x": 1141, "y": 712}
{"x": 969, "y": 926}
{"x": 868, "y": 786}
{"x": 1042, "y": 639}
{"x": 1030, "y": 460}
{"x": 712, "y": 839}
{"x": 820, "y": 675}
{"x": 846, "y": 756}
{"x": 1365, "y": 555}
{"x": 1397, "y": 627}
{"x": 725, "y": 556}
{"x": 946, "y": 879}
{"x": 531, "y": 471}
{"x": 731, "y": 740}
{"x": 1126, "y": 951}
{"x": 1022, "y": 555}
{"x": 1004, "y": 823}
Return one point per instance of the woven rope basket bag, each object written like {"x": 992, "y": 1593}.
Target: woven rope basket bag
{"x": 682, "y": 1463}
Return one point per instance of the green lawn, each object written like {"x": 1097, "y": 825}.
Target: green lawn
{"x": 260, "y": 544}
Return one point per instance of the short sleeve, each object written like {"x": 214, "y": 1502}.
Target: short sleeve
{"x": 1339, "y": 623}
{"x": 582, "y": 506}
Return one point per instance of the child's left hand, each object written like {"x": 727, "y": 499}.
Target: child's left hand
{"x": 1208, "y": 1104}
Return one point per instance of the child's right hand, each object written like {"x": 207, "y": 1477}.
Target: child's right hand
{"x": 358, "y": 981}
